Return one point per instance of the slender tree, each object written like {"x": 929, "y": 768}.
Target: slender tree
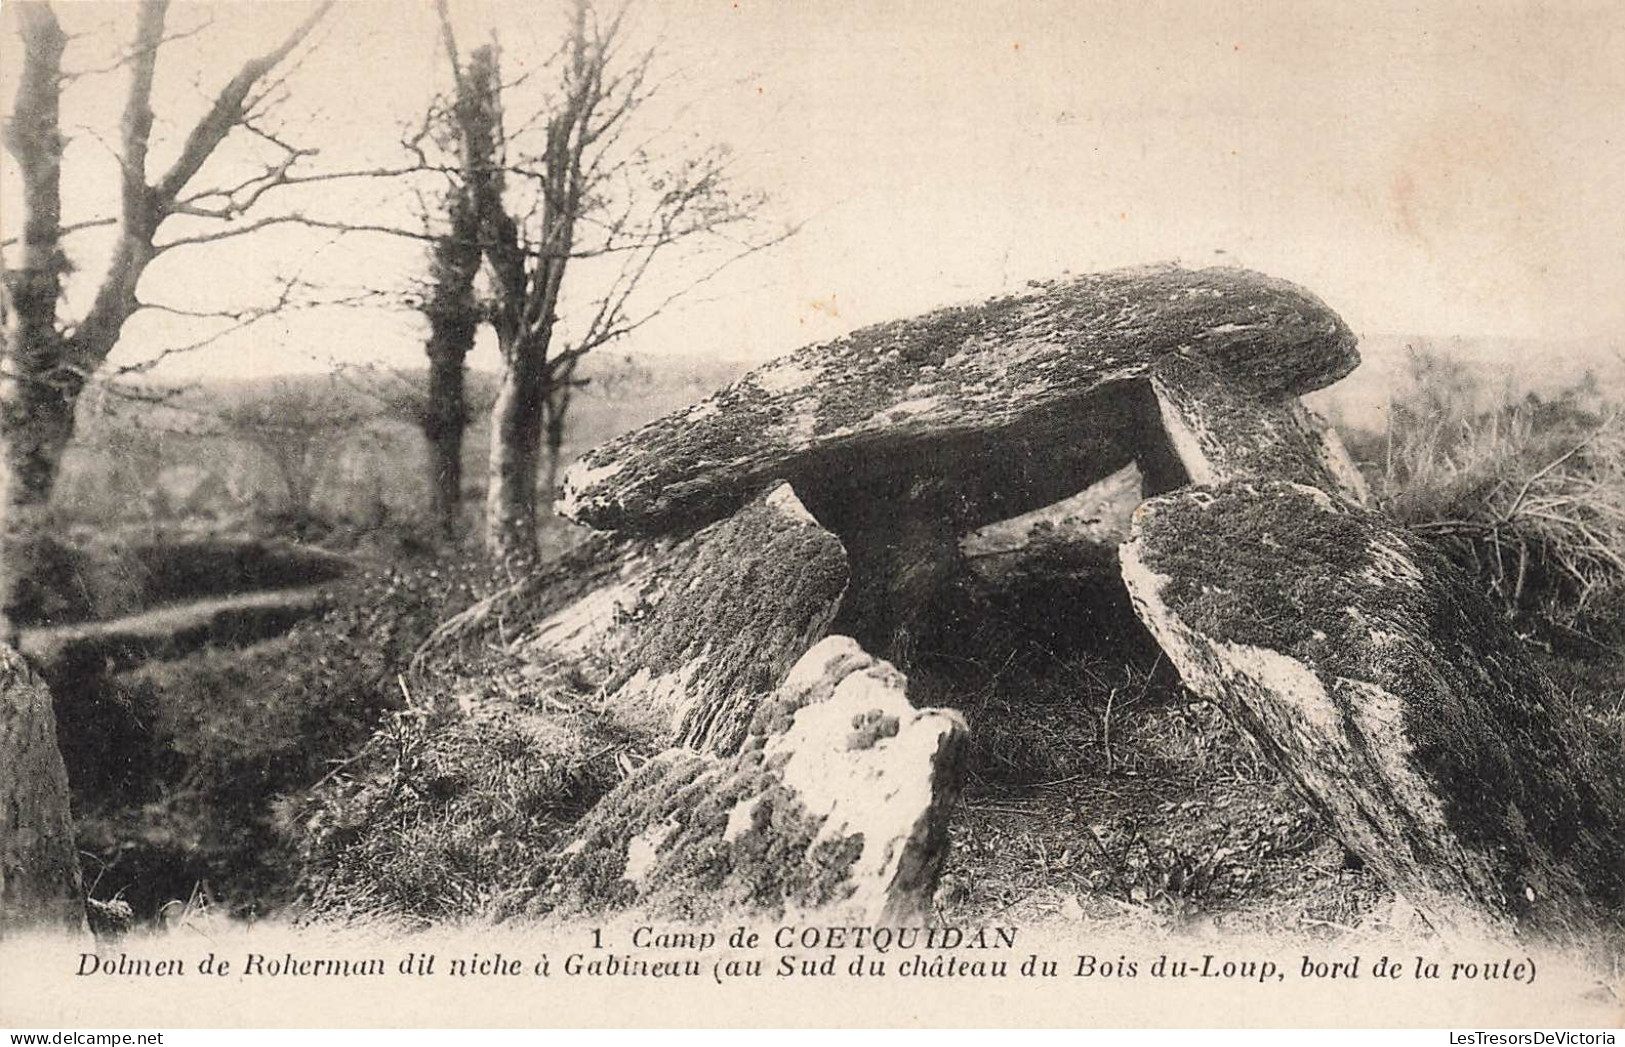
{"x": 453, "y": 312}
{"x": 592, "y": 193}
{"x": 46, "y": 360}
{"x": 451, "y": 305}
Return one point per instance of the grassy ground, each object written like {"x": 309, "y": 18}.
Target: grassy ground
{"x": 452, "y": 807}
{"x": 1100, "y": 789}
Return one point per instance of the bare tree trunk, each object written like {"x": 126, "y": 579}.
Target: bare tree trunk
{"x": 516, "y": 432}
{"x": 453, "y": 320}
{"x": 444, "y": 420}
{"x": 452, "y": 308}
{"x": 573, "y": 176}
{"x": 36, "y": 397}
{"x": 48, "y": 370}
{"x": 555, "y": 465}
{"x": 558, "y": 407}
{"x": 525, "y": 306}
{"x": 47, "y": 363}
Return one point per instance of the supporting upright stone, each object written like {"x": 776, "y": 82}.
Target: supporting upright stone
{"x": 1220, "y": 428}
{"x": 1072, "y": 539}
{"x": 1370, "y": 669}
{"x": 722, "y": 621}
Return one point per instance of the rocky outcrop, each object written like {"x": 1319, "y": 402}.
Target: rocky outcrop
{"x": 969, "y": 415}
{"x": 1384, "y": 684}
{"x": 682, "y": 638}
{"x": 39, "y": 867}
{"x": 837, "y": 802}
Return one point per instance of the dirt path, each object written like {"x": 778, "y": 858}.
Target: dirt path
{"x": 177, "y": 628}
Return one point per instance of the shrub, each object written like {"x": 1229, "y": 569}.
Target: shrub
{"x": 444, "y": 816}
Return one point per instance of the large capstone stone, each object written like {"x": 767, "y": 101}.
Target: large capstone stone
{"x": 682, "y": 638}
{"x": 837, "y": 802}
{"x": 966, "y": 415}
{"x": 1375, "y": 674}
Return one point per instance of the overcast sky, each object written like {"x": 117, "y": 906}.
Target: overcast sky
{"x": 1438, "y": 168}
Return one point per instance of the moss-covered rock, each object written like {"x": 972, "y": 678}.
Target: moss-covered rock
{"x": 984, "y": 411}
{"x": 838, "y": 802}
{"x": 39, "y": 867}
{"x": 1381, "y": 681}
{"x": 680, "y": 637}
{"x": 721, "y": 620}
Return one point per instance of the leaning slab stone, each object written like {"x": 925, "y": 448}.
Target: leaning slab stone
{"x": 1380, "y": 680}
{"x": 683, "y": 638}
{"x": 39, "y": 867}
{"x": 1218, "y": 429}
{"x": 1076, "y": 537}
{"x": 971, "y": 414}
{"x": 837, "y": 802}
{"x": 722, "y": 620}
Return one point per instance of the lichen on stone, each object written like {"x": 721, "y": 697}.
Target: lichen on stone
{"x": 697, "y": 836}
{"x": 741, "y": 602}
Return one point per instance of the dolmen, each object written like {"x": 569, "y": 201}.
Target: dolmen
{"x": 905, "y": 437}
{"x": 763, "y": 562}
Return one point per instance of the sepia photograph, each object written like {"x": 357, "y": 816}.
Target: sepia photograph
{"x": 550, "y": 513}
